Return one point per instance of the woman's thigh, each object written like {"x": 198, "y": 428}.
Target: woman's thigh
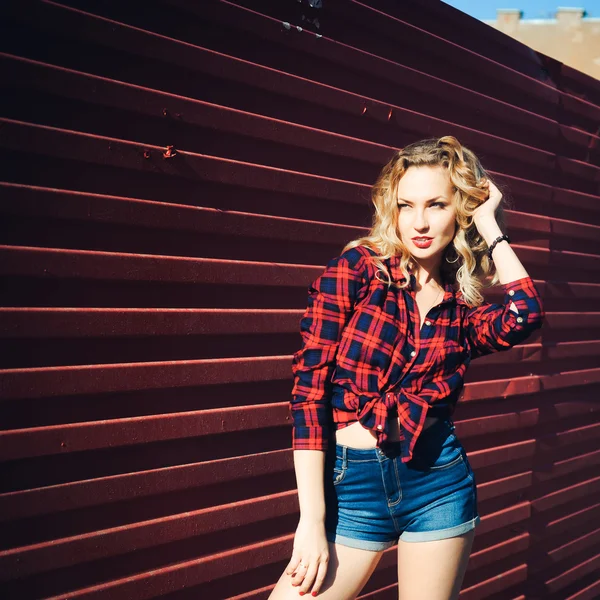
{"x": 348, "y": 571}
{"x": 433, "y": 570}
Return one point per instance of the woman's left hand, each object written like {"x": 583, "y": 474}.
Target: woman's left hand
{"x": 488, "y": 208}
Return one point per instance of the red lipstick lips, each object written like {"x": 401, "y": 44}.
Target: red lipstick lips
{"x": 422, "y": 242}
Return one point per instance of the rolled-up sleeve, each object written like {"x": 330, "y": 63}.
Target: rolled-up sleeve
{"x": 331, "y": 299}
{"x": 497, "y": 327}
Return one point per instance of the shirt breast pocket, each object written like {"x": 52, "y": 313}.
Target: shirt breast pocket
{"x": 448, "y": 357}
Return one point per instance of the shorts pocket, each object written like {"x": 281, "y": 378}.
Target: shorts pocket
{"x": 438, "y": 451}
{"x": 449, "y": 456}
{"x": 340, "y": 468}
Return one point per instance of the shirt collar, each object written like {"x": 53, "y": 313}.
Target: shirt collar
{"x": 450, "y": 294}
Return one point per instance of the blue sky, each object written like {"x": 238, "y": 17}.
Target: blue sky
{"x": 532, "y": 9}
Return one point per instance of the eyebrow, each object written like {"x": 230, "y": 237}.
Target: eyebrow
{"x": 430, "y": 200}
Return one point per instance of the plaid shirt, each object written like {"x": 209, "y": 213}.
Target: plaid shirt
{"x": 363, "y": 356}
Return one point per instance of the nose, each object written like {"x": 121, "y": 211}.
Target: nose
{"x": 420, "y": 222}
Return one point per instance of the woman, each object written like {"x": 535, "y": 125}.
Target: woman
{"x": 390, "y": 329}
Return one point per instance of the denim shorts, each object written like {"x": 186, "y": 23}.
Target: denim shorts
{"x": 373, "y": 499}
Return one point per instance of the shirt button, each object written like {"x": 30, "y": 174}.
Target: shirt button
{"x": 413, "y": 353}
{"x": 427, "y": 322}
{"x": 519, "y": 319}
{"x": 379, "y": 427}
{"x": 511, "y": 292}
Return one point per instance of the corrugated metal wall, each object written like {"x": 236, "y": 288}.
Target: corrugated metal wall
{"x": 152, "y": 295}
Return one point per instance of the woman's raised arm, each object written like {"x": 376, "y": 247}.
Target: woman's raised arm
{"x": 496, "y": 327}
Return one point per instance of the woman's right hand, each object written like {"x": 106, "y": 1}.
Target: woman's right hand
{"x": 310, "y": 556}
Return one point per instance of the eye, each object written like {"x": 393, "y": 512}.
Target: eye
{"x": 401, "y": 205}
{"x": 438, "y": 204}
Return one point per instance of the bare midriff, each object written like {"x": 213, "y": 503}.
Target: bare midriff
{"x": 357, "y": 436}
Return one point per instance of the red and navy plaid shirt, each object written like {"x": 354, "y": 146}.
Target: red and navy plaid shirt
{"x": 364, "y": 358}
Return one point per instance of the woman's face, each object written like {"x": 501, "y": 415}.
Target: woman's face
{"x": 426, "y": 209}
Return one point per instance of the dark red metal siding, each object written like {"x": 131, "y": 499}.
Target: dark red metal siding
{"x": 151, "y": 296}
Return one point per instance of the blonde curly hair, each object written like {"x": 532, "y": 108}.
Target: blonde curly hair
{"x": 465, "y": 259}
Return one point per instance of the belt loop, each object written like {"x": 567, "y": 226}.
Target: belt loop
{"x": 344, "y": 457}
